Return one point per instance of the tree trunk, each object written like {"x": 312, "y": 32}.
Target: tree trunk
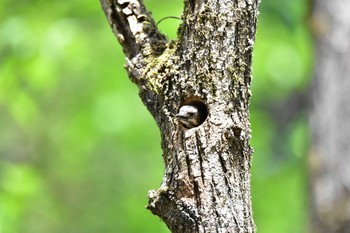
{"x": 206, "y": 185}
{"x": 330, "y": 119}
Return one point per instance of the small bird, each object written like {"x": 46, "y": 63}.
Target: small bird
{"x": 189, "y": 116}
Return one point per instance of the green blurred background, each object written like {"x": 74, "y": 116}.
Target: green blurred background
{"x": 79, "y": 151}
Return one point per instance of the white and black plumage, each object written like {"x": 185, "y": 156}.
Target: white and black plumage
{"x": 189, "y": 116}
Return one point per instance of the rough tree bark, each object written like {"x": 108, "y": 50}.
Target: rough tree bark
{"x": 330, "y": 119}
{"x": 206, "y": 185}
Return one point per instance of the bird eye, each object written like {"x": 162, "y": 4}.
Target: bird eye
{"x": 191, "y": 114}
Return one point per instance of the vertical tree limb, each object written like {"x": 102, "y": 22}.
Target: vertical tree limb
{"x": 330, "y": 125}
{"x": 206, "y": 185}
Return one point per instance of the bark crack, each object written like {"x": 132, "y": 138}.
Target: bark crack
{"x": 213, "y": 191}
{"x": 200, "y": 158}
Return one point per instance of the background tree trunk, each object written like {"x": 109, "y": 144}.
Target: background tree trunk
{"x": 330, "y": 154}
{"x": 206, "y": 185}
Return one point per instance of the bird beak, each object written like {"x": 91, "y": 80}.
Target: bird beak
{"x": 180, "y": 116}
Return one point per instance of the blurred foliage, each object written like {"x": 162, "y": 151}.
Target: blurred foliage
{"x": 282, "y": 67}
{"x": 79, "y": 151}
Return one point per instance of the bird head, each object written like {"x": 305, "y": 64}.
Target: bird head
{"x": 188, "y": 116}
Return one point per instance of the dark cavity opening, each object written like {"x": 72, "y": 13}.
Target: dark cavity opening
{"x": 199, "y": 104}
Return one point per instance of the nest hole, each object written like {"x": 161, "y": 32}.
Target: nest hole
{"x": 199, "y": 104}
